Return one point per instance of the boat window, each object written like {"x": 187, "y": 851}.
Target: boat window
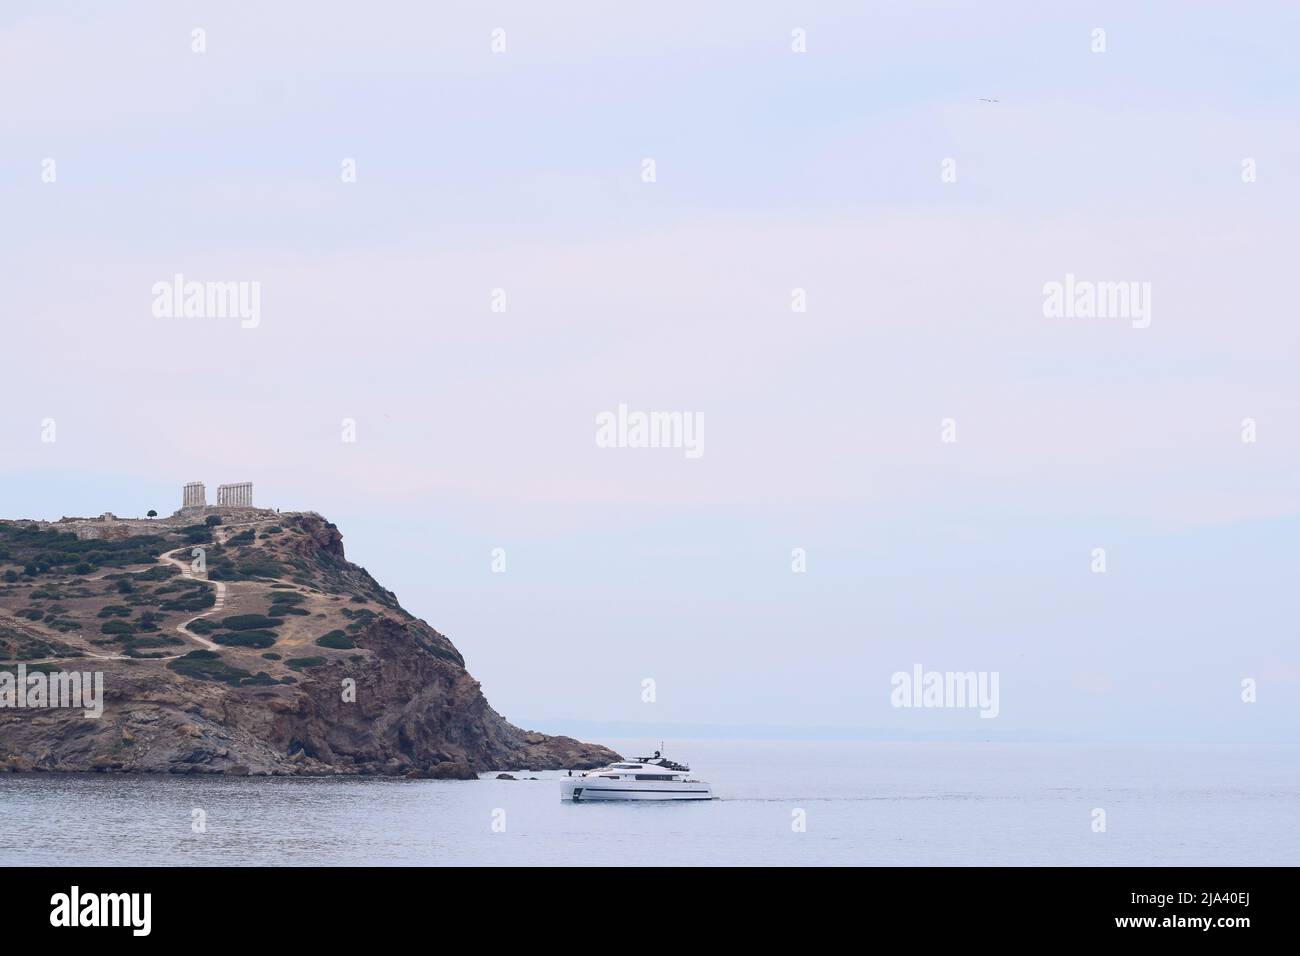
{"x": 653, "y": 776}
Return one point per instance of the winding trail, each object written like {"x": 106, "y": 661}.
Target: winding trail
{"x": 184, "y": 626}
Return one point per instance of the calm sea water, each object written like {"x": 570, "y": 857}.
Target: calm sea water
{"x": 865, "y": 803}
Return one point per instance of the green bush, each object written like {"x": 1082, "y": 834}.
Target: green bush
{"x": 195, "y": 601}
{"x": 114, "y": 610}
{"x": 208, "y": 665}
{"x": 247, "y": 639}
{"x": 116, "y": 627}
{"x": 337, "y": 640}
{"x": 260, "y": 568}
{"x": 247, "y": 622}
{"x": 282, "y": 610}
{"x": 298, "y": 663}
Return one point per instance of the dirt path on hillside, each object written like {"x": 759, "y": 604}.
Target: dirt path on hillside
{"x": 184, "y": 626}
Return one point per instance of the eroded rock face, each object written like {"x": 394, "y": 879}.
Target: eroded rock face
{"x": 383, "y": 694}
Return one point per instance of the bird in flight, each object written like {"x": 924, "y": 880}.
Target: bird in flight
{"x": 985, "y": 99}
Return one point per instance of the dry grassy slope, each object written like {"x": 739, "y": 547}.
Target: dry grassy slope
{"x": 278, "y": 581}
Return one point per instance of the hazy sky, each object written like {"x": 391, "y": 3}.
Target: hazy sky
{"x": 775, "y": 170}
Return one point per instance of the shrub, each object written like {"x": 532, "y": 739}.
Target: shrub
{"x": 154, "y": 641}
{"x": 195, "y": 601}
{"x": 208, "y": 665}
{"x": 298, "y": 663}
{"x": 247, "y": 622}
{"x": 116, "y": 627}
{"x": 212, "y": 520}
{"x": 247, "y": 639}
{"x": 244, "y": 537}
{"x": 114, "y": 610}
{"x": 282, "y": 610}
{"x": 271, "y": 656}
{"x": 337, "y": 640}
{"x": 10, "y": 577}
{"x": 260, "y": 568}
{"x": 160, "y": 572}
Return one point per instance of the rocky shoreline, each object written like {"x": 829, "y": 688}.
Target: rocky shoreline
{"x": 335, "y": 679}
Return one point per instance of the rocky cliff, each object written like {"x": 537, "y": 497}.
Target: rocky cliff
{"x": 237, "y": 641}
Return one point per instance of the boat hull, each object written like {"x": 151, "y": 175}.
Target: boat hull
{"x": 581, "y": 790}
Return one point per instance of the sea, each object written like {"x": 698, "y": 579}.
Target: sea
{"x": 797, "y": 803}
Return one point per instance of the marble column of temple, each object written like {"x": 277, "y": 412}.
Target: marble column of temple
{"x": 239, "y": 495}
{"x": 193, "y": 495}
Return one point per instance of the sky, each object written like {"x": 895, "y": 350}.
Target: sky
{"x": 920, "y": 171}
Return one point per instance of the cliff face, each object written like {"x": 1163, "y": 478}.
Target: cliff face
{"x": 246, "y": 646}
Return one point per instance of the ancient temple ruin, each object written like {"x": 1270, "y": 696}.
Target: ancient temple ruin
{"x": 238, "y": 495}
{"x": 194, "y": 495}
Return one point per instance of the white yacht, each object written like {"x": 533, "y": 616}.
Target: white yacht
{"x": 646, "y": 778}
